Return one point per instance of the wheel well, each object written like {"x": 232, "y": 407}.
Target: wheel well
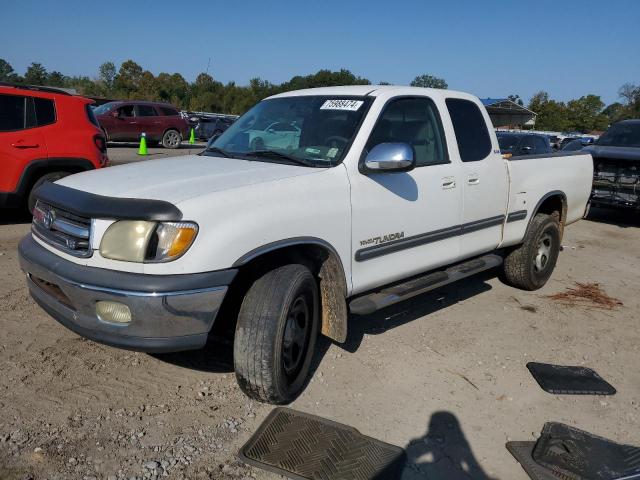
{"x": 171, "y": 128}
{"x": 554, "y": 204}
{"x": 31, "y": 176}
{"x": 325, "y": 265}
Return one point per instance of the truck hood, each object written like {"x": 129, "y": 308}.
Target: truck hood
{"x": 177, "y": 179}
{"x": 619, "y": 153}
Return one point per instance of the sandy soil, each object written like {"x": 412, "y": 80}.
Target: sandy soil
{"x": 443, "y": 375}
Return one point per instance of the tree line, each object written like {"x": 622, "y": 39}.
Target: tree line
{"x": 131, "y": 81}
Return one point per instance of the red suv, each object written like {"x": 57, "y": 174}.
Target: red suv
{"x": 125, "y": 121}
{"x": 45, "y": 134}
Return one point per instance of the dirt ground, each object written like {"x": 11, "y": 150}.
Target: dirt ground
{"x": 442, "y": 375}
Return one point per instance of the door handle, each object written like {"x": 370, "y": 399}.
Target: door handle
{"x": 472, "y": 180}
{"x": 448, "y": 182}
{"x": 25, "y": 145}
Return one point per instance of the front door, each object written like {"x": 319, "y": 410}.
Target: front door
{"x": 405, "y": 223}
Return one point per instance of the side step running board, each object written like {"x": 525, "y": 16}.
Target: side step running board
{"x": 375, "y": 301}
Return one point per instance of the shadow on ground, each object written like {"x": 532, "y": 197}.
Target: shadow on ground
{"x": 12, "y": 216}
{"x": 217, "y": 356}
{"x": 443, "y": 452}
{"x": 623, "y": 218}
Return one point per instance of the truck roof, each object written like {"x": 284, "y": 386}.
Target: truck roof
{"x": 374, "y": 90}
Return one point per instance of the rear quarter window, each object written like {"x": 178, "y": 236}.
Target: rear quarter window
{"x": 169, "y": 111}
{"x": 474, "y": 142}
{"x": 45, "y": 111}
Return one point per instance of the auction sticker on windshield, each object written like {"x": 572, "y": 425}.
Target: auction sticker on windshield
{"x": 351, "y": 105}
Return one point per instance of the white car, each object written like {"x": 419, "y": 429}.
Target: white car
{"x": 387, "y": 192}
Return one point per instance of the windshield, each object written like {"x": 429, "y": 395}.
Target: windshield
{"x": 508, "y": 143}
{"x": 104, "y": 108}
{"x": 621, "y": 135}
{"x": 310, "y": 130}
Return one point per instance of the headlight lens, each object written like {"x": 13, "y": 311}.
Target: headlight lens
{"x": 147, "y": 242}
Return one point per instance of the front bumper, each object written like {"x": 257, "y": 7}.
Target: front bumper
{"x": 169, "y": 312}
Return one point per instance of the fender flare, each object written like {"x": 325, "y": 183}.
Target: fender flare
{"x": 553, "y": 193}
{"x": 333, "y": 282}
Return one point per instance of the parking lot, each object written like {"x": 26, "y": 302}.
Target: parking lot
{"x": 442, "y": 375}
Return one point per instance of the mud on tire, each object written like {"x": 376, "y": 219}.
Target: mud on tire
{"x": 276, "y": 333}
{"x": 530, "y": 265}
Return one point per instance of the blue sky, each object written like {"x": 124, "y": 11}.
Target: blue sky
{"x": 490, "y": 48}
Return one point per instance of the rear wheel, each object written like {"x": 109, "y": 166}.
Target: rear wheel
{"x": 530, "y": 265}
{"x": 276, "y": 334}
{"x": 47, "y": 177}
{"x": 171, "y": 139}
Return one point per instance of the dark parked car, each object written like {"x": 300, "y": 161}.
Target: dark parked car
{"x": 124, "y": 121}
{"x": 616, "y": 166}
{"x": 209, "y": 126}
{"x": 523, "y": 144}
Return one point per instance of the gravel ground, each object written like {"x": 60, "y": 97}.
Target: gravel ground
{"x": 123, "y": 152}
{"x": 442, "y": 375}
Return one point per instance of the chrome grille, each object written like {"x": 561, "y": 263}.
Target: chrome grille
{"x": 64, "y": 230}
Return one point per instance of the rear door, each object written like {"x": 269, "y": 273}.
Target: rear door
{"x": 484, "y": 178}
{"x": 148, "y": 121}
{"x": 21, "y": 141}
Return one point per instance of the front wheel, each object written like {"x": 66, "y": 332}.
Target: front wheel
{"x": 530, "y": 265}
{"x": 276, "y": 334}
{"x": 171, "y": 139}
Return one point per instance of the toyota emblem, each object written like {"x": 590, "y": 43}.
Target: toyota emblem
{"x": 48, "y": 219}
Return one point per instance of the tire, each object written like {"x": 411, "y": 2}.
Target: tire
{"x": 47, "y": 177}
{"x": 530, "y": 265}
{"x": 276, "y": 334}
{"x": 171, "y": 139}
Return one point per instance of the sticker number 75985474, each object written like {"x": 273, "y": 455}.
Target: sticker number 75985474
{"x": 352, "y": 105}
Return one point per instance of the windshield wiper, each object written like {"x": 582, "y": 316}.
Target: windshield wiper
{"x": 222, "y": 152}
{"x": 276, "y": 154}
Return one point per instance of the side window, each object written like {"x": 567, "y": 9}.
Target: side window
{"x": 126, "y": 111}
{"x": 474, "y": 142}
{"x": 414, "y": 121}
{"x": 145, "y": 111}
{"x": 169, "y": 111}
{"x": 13, "y": 113}
{"x": 527, "y": 146}
{"x": 45, "y": 111}
{"x": 540, "y": 145}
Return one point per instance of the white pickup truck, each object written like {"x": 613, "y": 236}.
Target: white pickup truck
{"x": 314, "y": 205}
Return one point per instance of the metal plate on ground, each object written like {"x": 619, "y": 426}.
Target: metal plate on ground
{"x": 558, "y": 379}
{"x": 306, "y": 447}
{"x": 581, "y": 455}
{"x": 522, "y": 452}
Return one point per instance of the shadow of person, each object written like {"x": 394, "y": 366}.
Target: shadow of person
{"x": 442, "y": 453}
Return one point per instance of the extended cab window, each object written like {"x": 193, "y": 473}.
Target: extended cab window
{"x": 414, "y": 121}
{"x": 13, "y": 113}
{"x": 474, "y": 142}
{"x": 45, "y": 111}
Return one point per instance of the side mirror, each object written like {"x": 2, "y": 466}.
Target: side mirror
{"x": 115, "y": 114}
{"x": 390, "y": 157}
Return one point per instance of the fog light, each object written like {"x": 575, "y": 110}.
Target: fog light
{"x": 113, "y": 312}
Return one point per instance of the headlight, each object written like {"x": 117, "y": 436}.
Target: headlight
{"x": 147, "y": 242}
